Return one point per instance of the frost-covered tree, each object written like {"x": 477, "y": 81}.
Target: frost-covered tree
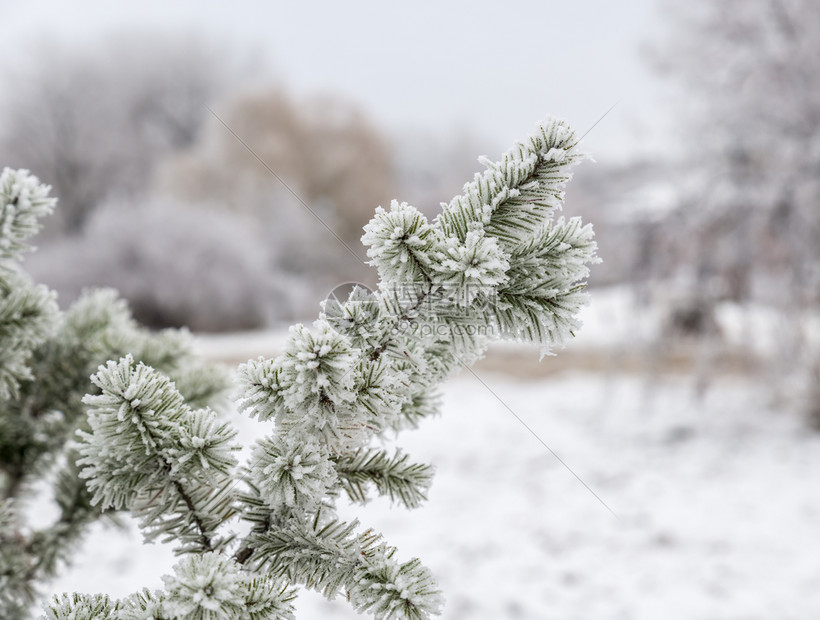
{"x": 497, "y": 262}
{"x": 749, "y": 132}
{"x": 67, "y": 111}
{"x": 177, "y": 265}
{"x": 326, "y": 151}
{"x": 46, "y": 358}
{"x": 748, "y": 224}
{"x": 324, "y": 147}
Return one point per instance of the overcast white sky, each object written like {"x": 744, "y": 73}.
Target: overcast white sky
{"x": 495, "y": 67}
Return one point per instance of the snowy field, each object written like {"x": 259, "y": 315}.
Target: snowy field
{"x": 716, "y": 502}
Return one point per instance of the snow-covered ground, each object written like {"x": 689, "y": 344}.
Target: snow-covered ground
{"x": 717, "y": 510}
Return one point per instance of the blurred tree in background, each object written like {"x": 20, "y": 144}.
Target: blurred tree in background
{"x": 324, "y": 148}
{"x": 121, "y": 128}
{"x": 331, "y": 163}
{"x": 751, "y": 124}
{"x": 179, "y": 265}
{"x": 747, "y": 225}
{"x": 94, "y": 120}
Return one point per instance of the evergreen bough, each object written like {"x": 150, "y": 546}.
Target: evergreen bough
{"x": 496, "y": 263}
{"x": 46, "y": 358}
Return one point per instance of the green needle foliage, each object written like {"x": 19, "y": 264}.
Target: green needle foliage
{"x": 496, "y": 263}
{"x": 46, "y": 358}
{"x": 403, "y": 482}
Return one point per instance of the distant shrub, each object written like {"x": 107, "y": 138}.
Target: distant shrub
{"x": 176, "y": 266}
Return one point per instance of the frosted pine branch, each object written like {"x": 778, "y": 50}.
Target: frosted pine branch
{"x": 149, "y": 452}
{"x": 393, "y": 476}
{"x": 23, "y": 201}
{"x": 331, "y": 557}
{"x": 496, "y": 263}
{"x": 46, "y": 357}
